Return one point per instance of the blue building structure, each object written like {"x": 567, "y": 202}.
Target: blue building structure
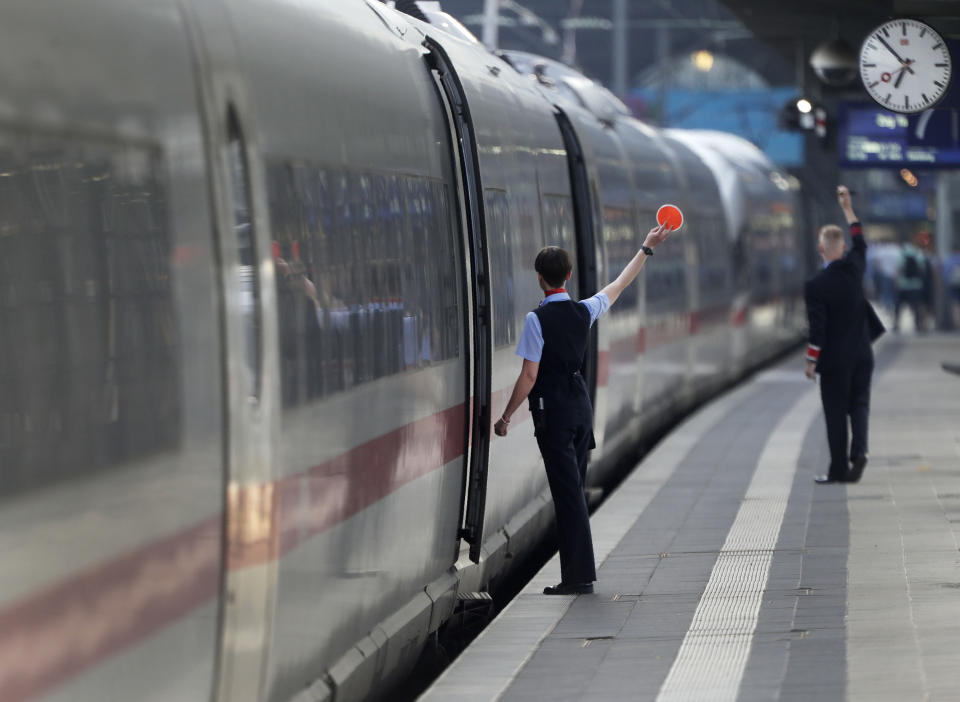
{"x": 749, "y": 113}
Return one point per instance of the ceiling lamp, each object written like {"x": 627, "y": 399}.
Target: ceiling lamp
{"x": 834, "y": 62}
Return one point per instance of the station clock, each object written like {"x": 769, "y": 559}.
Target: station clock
{"x": 905, "y": 65}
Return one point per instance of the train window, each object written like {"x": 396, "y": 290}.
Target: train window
{"x": 622, "y": 244}
{"x": 90, "y": 368}
{"x": 502, "y": 260}
{"x": 713, "y": 269}
{"x": 666, "y": 281}
{"x": 558, "y": 229}
{"x": 247, "y": 275}
{"x": 356, "y": 301}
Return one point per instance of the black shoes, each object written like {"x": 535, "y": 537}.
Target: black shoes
{"x": 857, "y": 464}
{"x": 569, "y": 589}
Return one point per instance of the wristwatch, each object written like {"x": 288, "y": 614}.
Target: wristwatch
{"x": 647, "y": 250}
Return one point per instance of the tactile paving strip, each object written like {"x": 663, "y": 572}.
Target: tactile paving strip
{"x": 713, "y": 655}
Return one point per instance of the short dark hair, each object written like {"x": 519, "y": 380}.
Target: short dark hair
{"x": 554, "y": 264}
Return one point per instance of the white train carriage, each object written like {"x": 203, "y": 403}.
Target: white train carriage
{"x": 263, "y": 266}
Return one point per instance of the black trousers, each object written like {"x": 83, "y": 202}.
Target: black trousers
{"x": 914, "y": 299}
{"x": 846, "y": 393}
{"x": 564, "y": 450}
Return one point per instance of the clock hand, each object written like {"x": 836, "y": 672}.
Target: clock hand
{"x": 902, "y": 73}
{"x": 906, "y": 64}
{"x": 887, "y": 77}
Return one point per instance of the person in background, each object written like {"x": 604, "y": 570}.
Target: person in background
{"x": 553, "y": 343}
{"x": 910, "y": 286}
{"x": 924, "y": 243}
{"x": 887, "y": 266}
{"x": 842, "y": 325}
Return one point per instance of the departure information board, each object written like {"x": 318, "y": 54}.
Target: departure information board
{"x": 871, "y": 137}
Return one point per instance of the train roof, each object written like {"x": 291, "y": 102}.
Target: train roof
{"x": 569, "y": 83}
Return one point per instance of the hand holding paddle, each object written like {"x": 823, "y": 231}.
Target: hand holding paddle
{"x": 657, "y": 236}
{"x": 669, "y": 220}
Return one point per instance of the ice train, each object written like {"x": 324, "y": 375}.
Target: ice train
{"x": 263, "y": 265}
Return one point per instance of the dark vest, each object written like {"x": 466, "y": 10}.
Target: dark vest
{"x": 560, "y": 388}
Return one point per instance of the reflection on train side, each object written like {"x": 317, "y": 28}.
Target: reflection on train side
{"x": 500, "y": 245}
{"x": 364, "y": 287}
{"x": 558, "y": 230}
{"x": 89, "y": 342}
{"x": 620, "y": 238}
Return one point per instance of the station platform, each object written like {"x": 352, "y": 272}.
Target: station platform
{"x": 726, "y": 573}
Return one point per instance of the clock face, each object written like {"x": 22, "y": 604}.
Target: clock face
{"x": 905, "y": 65}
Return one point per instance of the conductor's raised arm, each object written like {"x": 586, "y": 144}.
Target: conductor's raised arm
{"x": 655, "y": 237}
{"x": 858, "y": 253}
{"x": 843, "y": 197}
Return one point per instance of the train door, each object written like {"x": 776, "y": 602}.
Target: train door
{"x": 251, "y": 396}
{"x": 477, "y": 283}
{"x": 586, "y": 239}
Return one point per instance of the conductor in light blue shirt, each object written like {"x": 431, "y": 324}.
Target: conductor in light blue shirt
{"x": 553, "y": 343}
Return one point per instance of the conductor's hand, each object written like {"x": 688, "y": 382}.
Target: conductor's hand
{"x": 811, "y": 370}
{"x": 843, "y": 197}
{"x": 500, "y": 427}
{"x": 657, "y": 236}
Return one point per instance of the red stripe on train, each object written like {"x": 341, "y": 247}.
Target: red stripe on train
{"x": 603, "y": 368}
{"x": 70, "y": 627}
{"x": 668, "y": 329}
{"x": 267, "y": 521}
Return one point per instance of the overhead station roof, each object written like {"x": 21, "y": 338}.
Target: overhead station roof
{"x": 762, "y": 34}
{"x": 783, "y": 22}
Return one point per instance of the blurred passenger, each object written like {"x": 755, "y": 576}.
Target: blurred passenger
{"x": 886, "y": 267}
{"x": 842, "y": 325}
{"x": 553, "y": 343}
{"x": 910, "y": 275}
{"x": 924, "y": 244}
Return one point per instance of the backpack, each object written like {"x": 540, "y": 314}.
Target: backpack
{"x": 911, "y": 269}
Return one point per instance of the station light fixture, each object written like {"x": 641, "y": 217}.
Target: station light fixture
{"x": 909, "y": 178}
{"x": 803, "y": 114}
{"x": 835, "y": 62}
{"x": 703, "y": 60}
{"x": 820, "y": 122}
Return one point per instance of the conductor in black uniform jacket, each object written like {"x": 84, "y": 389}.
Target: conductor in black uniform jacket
{"x": 842, "y": 325}
{"x": 553, "y": 344}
